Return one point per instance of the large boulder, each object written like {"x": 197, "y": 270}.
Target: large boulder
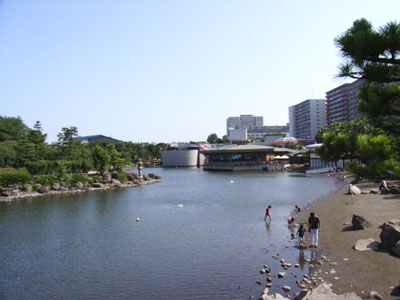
{"x": 114, "y": 174}
{"x": 55, "y": 186}
{"x": 107, "y": 178}
{"x": 27, "y": 188}
{"x": 65, "y": 184}
{"x": 132, "y": 176}
{"x": 390, "y": 234}
{"x": 37, "y": 186}
{"x": 7, "y": 192}
{"x": 359, "y": 222}
{"x": 116, "y": 183}
{"x": 324, "y": 292}
{"x": 79, "y": 185}
{"x": 44, "y": 189}
{"x": 396, "y": 249}
{"x": 97, "y": 185}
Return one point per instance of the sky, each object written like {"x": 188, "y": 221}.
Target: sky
{"x": 169, "y": 70}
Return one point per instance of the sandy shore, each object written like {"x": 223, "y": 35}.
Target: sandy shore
{"x": 359, "y": 272}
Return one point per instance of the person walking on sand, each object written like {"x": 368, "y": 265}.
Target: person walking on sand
{"x": 314, "y": 226}
{"x": 267, "y": 213}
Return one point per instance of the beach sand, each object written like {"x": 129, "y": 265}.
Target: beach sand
{"x": 365, "y": 271}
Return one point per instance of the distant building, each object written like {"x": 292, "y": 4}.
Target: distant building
{"x": 306, "y": 118}
{"x": 244, "y": 121}
{"x": 261, "y": 131}
{"x": 97, "y": 139}
{"x": 183, "y": 155}
{"x": 342, "y": 103}
{"x": 237, "y": 134}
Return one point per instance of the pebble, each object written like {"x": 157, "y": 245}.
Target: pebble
{"x": 259, "y": 282}
{"x": 266, "y": 290}
{"x": 262, "y": 271}
{"x": 297, "y": 266}
{"x": 333, "y": 263}
{"x": 269, "y": 279}
{"x": 268, "y": 285}
{"x": 332, "y": 271}
{"x": 282, "y": 261}
{"x": 336, "y": 278}
{"x": 375, "y": 295}
{"x": 137, "y": 219}
{"x": 281, "y": 274}
{"x": 266, "y": 266}
{"x": 286, "y": 288}
{"x": 345, "y": 259}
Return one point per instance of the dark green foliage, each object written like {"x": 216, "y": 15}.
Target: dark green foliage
{"x": 122, "y": 176}
{"x": 46, "y": 180}
{"x": 12, "y": 129}
{"x": 74, "y": 178}
{"x": 8, "y": 155}
{"x": 12, "y": 177}
{"x": 101, "y": 159}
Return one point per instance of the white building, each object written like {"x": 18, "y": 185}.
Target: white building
{"x": 244, "y": 121}
{"x": 237, "y": 134}
{"x": 306, "y": 118}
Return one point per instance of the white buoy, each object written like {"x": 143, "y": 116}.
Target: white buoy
{"x": 180, "y": 205}
{"x": 232, "y": 181}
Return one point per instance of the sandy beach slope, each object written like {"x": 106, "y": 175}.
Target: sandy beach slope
{"x": 360, "y": 272}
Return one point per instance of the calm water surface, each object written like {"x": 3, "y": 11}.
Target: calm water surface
{"x": 89, "y": 246}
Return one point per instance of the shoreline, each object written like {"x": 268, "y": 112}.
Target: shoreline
{"x": 355, "y": 271}
{"x": 75, "y": 190}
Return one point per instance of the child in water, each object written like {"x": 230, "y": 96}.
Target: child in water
{"x": 300, "y": 233}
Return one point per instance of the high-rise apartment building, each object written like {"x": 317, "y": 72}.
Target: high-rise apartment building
{"x": 244, "y": 121}
{"x": 306, "y": 118}
{"x": 342, "y": 103}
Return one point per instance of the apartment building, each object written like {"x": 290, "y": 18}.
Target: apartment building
{"x": 306, "y": 118}
{"x": 342, "y": 103}
{"x": 244, "y": 121}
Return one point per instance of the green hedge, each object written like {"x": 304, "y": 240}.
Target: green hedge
{"x": 12, "y": 177}
{"x": 122, "y": 177}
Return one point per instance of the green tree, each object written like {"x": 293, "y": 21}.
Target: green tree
{"x": 374, "y": 56}
{"x": 12, "y": 129}
{"x": 101, "y": 159}
{"x": 116, "y": 160}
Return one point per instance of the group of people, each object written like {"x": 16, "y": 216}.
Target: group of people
{"x": 314, "y": 225}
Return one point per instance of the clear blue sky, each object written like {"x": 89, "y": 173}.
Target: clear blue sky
{"x": 163, "y": 71}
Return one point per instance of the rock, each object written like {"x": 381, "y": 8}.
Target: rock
{"x": 273, "y": 297}
{"x": 79, "y": 185}
{"x": 137, "y": 219}
{"x": 266, "y": 290}
{"x": 297, "y": 266}
{"x": 262, "y": 271}
{"x": 86, "y": 184}
{"x": 146, "y": 177}
{"x": 107, "y": 178}
{"x": 7, "y": 192}
{"x": 268, "y": 285}
{"x": 333, "y": 263}
{"x": 366, "y": 244}
{"x": 44, "y": 189}
{"x": 132, "y": 176}
{"x": 324, "y": 291}
{"x": 359, "y": 222}
{"x": 27, "y": 188}
{"x": 116, "y": 182}
{"x": 396, "y": 249}
{"x": 332, "y": 271}
{"x": 375, "y": 295}
{"x": 390, "y": 234}
{"x": 281, "y": 274}
{"x": 258, "y": 282}
{"x": 97, "y": 185}
{"x": 55, "y": 186}
{"x": 269, "y": 279}
{"x": 282, "y": 261}
{"x": 354, "y": 190}
{"x": 63, "y": 189}
{"x": 286, "y": 288}
{"x": 114, "y": 174}
{"x": 65, "y": 184}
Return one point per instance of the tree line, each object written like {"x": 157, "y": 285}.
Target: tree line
{"x": 25, "y": 149}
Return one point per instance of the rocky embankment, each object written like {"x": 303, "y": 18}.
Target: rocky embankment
{"x": 108, "y": 182}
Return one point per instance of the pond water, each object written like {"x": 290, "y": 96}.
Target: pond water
{"x": 201, "y": 235}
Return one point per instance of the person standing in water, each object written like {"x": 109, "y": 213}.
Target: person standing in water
{"x": 267, "y": 213}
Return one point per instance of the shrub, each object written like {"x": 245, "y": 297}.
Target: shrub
{"x": 45, "y": 179}
{"x": 78, "y": 177}
{"x": 12, "y": 177}
{"x": 122, "y": 176}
